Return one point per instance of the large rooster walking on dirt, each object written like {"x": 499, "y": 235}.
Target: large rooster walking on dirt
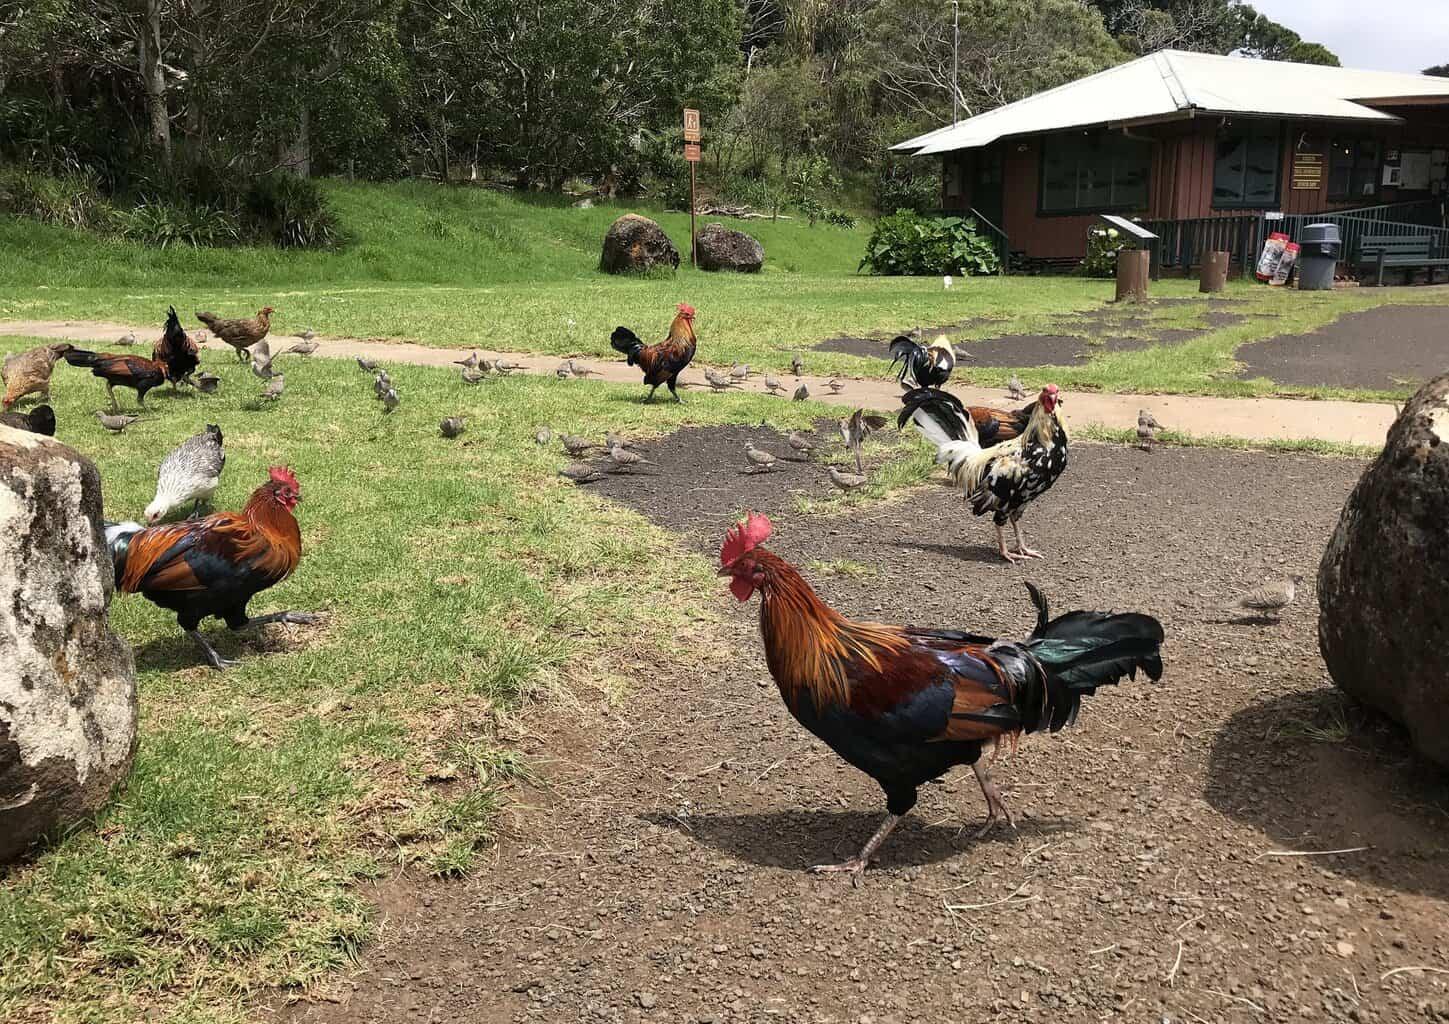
{"x": 663, "y": 362}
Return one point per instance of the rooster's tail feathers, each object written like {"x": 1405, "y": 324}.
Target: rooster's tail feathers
{"x": 626, "y": 341}
{"x": 80, "y": 357}
{"x": 939, "y": 416}
{"x": 911, "y": 355}
{"x": 1081, "y": 651}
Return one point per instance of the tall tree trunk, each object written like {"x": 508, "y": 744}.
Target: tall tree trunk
{"x": 153, "y": 80}
{"x": 195, "y": 116}
{"x": 296, "y": 156}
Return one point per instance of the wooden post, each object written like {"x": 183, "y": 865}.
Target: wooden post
{"x": 1133, "y": 266}
{"x": 1214, "y": 275}
{"x": 693, "y": 258}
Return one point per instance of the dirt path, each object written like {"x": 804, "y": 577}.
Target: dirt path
{"x": 657, "y": 875}
{"x": 1269, "y": 419}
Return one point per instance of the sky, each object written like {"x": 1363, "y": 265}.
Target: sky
{"x": 1390, "y": 35}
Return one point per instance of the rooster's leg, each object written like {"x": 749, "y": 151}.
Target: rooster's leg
{"x": 111, "y": 394}
{"x": 650, "y": 397}
{"x": 674, "y": 390}
{"x": 856, "y": 865}
{"x": 995, "y": 803}
{"x": 1021, "y": 548}
{"x": 1010, "y": 556}
{"x": 859, "y": 466}
{"x": 213, "y": 659}
{"x": 289, "y": 618}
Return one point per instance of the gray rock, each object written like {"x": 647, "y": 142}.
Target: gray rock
{"x": 719, "y": 248}
{"x": 1383, "y": 622}
{"x": 67, "y": 683}
{"x": 636, "y": 244}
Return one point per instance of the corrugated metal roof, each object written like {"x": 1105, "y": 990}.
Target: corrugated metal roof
{"x": 1173, "y": 83}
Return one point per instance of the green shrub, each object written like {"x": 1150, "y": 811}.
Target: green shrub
{"x": 163, "y": 225}
{"x": 905, "y": 243}
{"x": 70, "y": 200}
{"x": 1103, "y": 245}
{"x": 900, "y": 185}
{"x": 289, "y": 211}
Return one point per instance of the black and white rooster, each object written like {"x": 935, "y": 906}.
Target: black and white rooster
{"x": 1004, "y": 478}
{"x": 922, "y": 366}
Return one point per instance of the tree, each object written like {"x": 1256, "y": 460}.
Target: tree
{"x": 1262, "y": 37}
{"x": 1438, "y": 71}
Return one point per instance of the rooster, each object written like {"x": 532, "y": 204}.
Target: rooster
{"x": 922, "y": 367}
{"x": 662, "y": 363}
{"x": 176, "y": 350}
{"x": 240, "y": 334}
{"x": 1002, "y": 478}
{"x": 191, "y": 473}
{"x": 904, "y": 704}
{"x": 119, "y": 370}
{"x": 214, "y": 566}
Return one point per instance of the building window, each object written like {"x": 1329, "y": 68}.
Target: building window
{"x": 1245, "y": 173}
{"x": 1353, "y": 168}
{"x": 1088, "y": 173}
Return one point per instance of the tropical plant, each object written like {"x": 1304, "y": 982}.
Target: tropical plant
{"x": 906, "y": 243}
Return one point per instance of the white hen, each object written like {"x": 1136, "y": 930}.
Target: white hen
{"x": 191, "y": 473}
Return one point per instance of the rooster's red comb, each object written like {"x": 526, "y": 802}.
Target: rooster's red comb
{"x": 744, "y": 537}
{"x": 687, "y": 310}
{"x": 283, "y": 475}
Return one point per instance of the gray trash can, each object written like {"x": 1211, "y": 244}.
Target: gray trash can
{"x": 1318, "y": 251}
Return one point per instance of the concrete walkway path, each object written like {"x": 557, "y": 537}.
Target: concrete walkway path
{"x": 1258, "y": 419}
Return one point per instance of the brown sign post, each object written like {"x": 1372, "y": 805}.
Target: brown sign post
{"x": 691, "y": 154}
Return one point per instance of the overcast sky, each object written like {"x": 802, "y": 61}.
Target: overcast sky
{"x": 1388, "y": 35}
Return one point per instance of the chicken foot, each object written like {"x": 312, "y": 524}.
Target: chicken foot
{"x": 995, "y": 803}
{"x": 856, "y": 865}
{"x": 1021, "y": 549}
{"x": 214, "y": 658}
{"x": 1022, "y": 552}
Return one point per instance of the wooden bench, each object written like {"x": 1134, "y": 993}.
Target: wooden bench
{"x": 1406, "y": 251}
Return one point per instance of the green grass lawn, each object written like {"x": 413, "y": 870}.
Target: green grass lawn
{"x": 459, "y": 579}
{"x": 458, "y": 267}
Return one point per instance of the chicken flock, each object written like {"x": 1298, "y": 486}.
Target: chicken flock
{"x": 903, "y": 704}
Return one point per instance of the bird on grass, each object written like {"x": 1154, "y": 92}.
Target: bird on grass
{"x": 835, "y": 386}
{"x": 760, "y": 461}
{"x": 206, "y": 383}
{"x": 504, "y": 369}
{"x": 718, "y": 381}
{"x": 471, "y": 363}
{"x": 772, "y": 384}
{"x": 581, "y": 473}
{"x": 240, "y": 334}
{"x": 613, "y": 440}
{"x": 471, "y": 376}
{"x": 578, "y": 369}
{"x": 623, "y": 458}
{"x": 190, "y": 474}
{"x": 307, "y": 334}
{"x": 262, "y": 361}
{"x": 906, "y": 704}
{"x": 302, "y": 348}
{"x": 846, "y": 481}
{"x": 366, "y": 365}
{"x": 1014, "y": 390}
{"x": 390, "y": 400}
{"x": 855, "y": 428}
{"x": 562, "y": 372}
{"x": 116, "y": 422}
{"x": 453, "y": 426}
{"x": 802, "y": 444}
{"x": 575, "y": 445}
{"x": 798, "y": 365}
{"x": 740, "y": 371}
{"x": 127, "y": 340}
{"x": 542, "y": 436}
{"x": 380, "y": 384}
{"x": 40, "y": 420}
{"x": 273, "y": 391}
{"x": 801, "y": 393}
{"x": 1269, "y": 600}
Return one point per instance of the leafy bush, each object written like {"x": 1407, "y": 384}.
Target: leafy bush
{"x": 289, "y": 211}
{"x": 163, "y": 225}
{"x": 903, "y": 186}
{"x": 839, "y": 219}
{"x": 70, "y": 200}
{"x": 1103, "y": 245}
{"x": 906, "y": 243}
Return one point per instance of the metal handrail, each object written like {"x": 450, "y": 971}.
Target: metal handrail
{"x": 1003, "y": 241}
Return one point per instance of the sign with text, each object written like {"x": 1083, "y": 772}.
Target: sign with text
{"x": 691, "y": 125}
{"x": 1307, "y": 172}
{"x": 691, "y": 152}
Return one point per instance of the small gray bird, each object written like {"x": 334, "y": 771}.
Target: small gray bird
{"x": 452, "y": 426}
{"x": 302, "y": 348}
{"x": 1270, "y": 599}
{"x": 380, "y": 384}
{"x": 802, "y": 444}
{"x": 835, "y": 386}
{"x": 542, "y": 436}
{"x": 562, "y": 372}
{"x": 613, "y": 440}
{"x": 575, "y": 445}
{"x": 718, "y": 381}
{"x": 116, "y": 422}
{"x": 262, "y": 363}
{"x": 199, "y": 337}
{"x": 471, "y": 376}
{"x": 846, "y": 481}
{"x": 307, "y": 334}
{"x": 760, "y": 461}
{"x": 578, "y": 369}
{"x": 366, "y": 365}
{"x": 206, "y": 383}
{"x": 855, "y": 428}
{"x": 623, "y": 458}
{"x": 740, "y": 371}
{"x": 471, "y": 363}
{"x": 797, "y": 364}
{"x": 1014, "y": 390}
{"x": 506, "y": 368}
{"x": 127, "y": 340}
{"x": 390, "y": 400}
{"x": 772, "y": 384}
{"x": 1146, "y": 419}
{"x": 273, "y": 390}
{"x": 1145, "y": 436}
{"x": 802, "y": 393}
{"x": 581, "y": 473}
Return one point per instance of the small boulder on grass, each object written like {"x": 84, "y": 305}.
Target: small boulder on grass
{"x": 719, "y": 248}
{"x": 636, "y": 244}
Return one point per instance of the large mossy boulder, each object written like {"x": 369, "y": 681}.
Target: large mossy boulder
{"x": 636, "y": 245}
{"x": 1383, "y": 585}
{"x": 67, "y": 683}
{"x": 719, "y": 248}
